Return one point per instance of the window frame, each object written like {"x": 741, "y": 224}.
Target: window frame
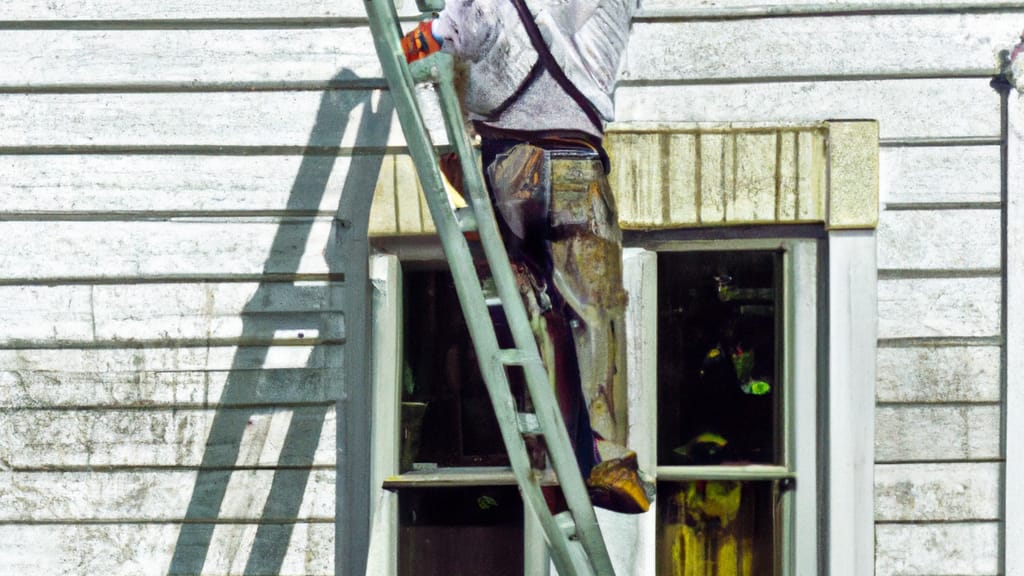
{"x": 838, "y": 537}
{"x": 385, "y": 273}
{"x": 801, "y": 337}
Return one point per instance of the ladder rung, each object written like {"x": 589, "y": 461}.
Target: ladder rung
{"x": 529, "y": 423}
{"x": 466, "y": 219}
{"x": 514, "y": 357}
{"x": 566, "y": 524}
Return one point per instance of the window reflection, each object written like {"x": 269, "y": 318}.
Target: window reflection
{"x": 718, "y": 384}
{"x": 716, "y": 528}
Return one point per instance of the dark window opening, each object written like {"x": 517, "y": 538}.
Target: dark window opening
{"x": 448, "y": 419}
{"x": 718, "y": 373}
{"x": 466, "y": 531}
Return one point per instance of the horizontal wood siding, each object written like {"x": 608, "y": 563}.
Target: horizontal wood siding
{"x": 171, "y": 292}
{"x": 147, "y": 549}
{"x": 171, "y": 295}
{"x": 923, "y": 72}
{"x": 111, "y": 439}
{"x": 958, "y": 108}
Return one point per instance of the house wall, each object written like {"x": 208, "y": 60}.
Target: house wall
{"x": 172, "y": 284}
{"x": 923, "y": 72}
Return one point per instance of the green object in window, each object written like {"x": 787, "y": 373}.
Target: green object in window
{"x": 756, "y": 387}
{"x": 486, "y": 503}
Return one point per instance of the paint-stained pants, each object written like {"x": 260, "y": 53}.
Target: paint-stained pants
{"x": 557, "y": 215}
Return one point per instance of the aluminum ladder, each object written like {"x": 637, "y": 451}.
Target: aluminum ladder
{"x": 573, "y": 537}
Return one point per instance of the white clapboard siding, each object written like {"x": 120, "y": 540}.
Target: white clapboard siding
{"x": 939, "y": 239}
{"x": 818, "y": 47}
{"x": 147, "y": 549}
{"x": 939, "y": 307}
{"x": 726, "y": 7}
{"x": 303, "y": 10}
{"x": 961, "y": 549}
{"x": 182, "y": 248}
{"x": 129, "y": 496}
{"x": 140, "y": 183}
{"x": 185, "y": 10}
{"x": 954, "y": 374}
{"x": 248, "y": 312}
{"x": 56, "y": 439}
{"x": 347, "y": 118}
{"x": 175, "y": 376}
{"x": 913, "y": 108}
{"x": 186, "y": 57}
{"x": 942, "y": 174}
{"x": 886, "y": 45}
{"x": 24, "y": 388}
{"x": 948, "y": 492}
{"x": 174, "y": 358}
{"x": 937, "y": 433}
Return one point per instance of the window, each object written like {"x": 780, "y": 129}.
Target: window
{"x": 730, "y": 398}
{"x": 457, "y": 513}
{"x": 736, "y": 465}
{"x": 453, "y": 506}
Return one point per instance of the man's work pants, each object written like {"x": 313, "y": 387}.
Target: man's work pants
{"x": 557, "y": 215}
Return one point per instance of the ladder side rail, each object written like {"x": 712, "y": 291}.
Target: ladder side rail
{"x": 470, "y": 296}
{"x": 383, "y": 18}
{"x": 425, "y": 159}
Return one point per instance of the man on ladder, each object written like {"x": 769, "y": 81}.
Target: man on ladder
{"x": 540, "y": 77}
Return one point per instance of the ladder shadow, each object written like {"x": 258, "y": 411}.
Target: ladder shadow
{"x": 310, "y": 398}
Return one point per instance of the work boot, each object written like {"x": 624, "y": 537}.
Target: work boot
{"x": 616, "y": 485}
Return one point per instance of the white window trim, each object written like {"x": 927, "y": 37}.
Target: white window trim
{"x": 1014, "y": 343}
{"x": 852, "y": 354}
{"x": 386, "y": 376}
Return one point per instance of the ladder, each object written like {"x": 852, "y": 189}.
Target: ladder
{"x": 573, "y": 537}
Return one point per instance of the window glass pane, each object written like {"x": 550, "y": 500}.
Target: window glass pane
{"x": 447, "y": 417}
{"x": 460, "y": 531}
{"x": 717, "y": 528}
{"x": 719, "y": 394}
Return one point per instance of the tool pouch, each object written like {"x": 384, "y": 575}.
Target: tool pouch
{"x": 521, "y": 185}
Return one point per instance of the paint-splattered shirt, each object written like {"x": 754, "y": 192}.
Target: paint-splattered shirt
{"x": 586, "y": 37}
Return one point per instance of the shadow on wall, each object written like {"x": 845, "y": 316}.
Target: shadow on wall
{"x": 346, "y": 255}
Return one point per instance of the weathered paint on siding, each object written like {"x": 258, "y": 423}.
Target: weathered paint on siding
{"x": 923, "y": 492}
{"x": 957, "y": 107}
{"x": 922, "y": 433}
{"x": 143, "y": 292}
{"x": 146, "y": 549}
{"x": 942, "y": 548}
{"x": 112, "y": 438}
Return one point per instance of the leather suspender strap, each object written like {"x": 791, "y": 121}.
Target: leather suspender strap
{"x": 552, "y": 66}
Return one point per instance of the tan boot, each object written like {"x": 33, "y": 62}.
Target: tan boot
{"x": 616, "y": 485}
